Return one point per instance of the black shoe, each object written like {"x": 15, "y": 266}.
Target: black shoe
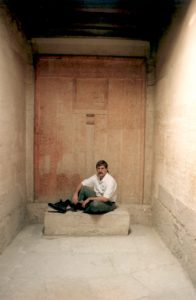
{"x": 79, "y": 206}
{"x": 60, "y": 206}
{"x": 68, "y": 205}
{"x": 73, "y": 207}
{"x": 76, "y": 207}
{"x": 59, "y": 202}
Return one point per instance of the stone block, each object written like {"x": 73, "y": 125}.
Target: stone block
{"x": 139, "y": 214}
{"x": 175, "y": 222}
{"x": 35, "y": 212}
{"x": 78, "y": 223}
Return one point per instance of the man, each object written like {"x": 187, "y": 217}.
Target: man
{"x": 94, "y": 195}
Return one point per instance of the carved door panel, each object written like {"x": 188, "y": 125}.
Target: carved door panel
{"x": 86, "y": 109}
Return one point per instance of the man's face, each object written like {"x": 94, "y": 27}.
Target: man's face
{"x": 101, "y": 171}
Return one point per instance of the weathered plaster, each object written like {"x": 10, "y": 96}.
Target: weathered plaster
{"x": 15, "y": 60}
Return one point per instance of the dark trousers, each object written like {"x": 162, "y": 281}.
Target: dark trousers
{"x": 94, "y": 207}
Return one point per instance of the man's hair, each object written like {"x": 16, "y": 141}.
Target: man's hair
{"x": 102, "y": 163}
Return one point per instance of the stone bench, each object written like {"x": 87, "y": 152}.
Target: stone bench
{"x": 78, "y": 223}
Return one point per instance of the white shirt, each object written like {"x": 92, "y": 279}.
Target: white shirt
{"x": 106, "y": 187}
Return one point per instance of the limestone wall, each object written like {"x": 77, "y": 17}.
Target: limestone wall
{"x": 15, "y": 78}
{"x": 174, "y": 184}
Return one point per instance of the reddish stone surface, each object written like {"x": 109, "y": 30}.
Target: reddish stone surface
{"x": 86, "y": 109}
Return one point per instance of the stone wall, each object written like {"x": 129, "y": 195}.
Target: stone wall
{"x": 140, "y": 213}
{"x": 15, "y": 78}
{"x": 174, "y": 184}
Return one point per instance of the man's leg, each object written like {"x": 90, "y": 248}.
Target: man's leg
{"x": 85, "y": 193}
{"x": 94, "y": 207}
{"x": 99, "y": 207}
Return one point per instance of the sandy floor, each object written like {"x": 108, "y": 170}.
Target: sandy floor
{"x": 134, "y": 267}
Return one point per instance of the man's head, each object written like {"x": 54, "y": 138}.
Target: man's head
{"x": 102, "y": 168}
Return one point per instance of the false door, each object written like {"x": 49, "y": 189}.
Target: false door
{"x": 87, "y": 109}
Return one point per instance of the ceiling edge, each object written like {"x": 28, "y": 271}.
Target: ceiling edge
{"x": 91, "y": 46}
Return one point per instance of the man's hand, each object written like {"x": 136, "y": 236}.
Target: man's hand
{"x": 75, "y": 195}
{"x": 85, "y": 202}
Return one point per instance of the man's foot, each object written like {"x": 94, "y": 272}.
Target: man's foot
{"x": 60, "y": 206}
{"x": 76, "y": 207}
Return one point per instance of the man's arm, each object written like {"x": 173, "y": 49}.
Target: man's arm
{"x": 108, "y": 194}
{"x": 75, "y": 195}
{"x": 98, "y": 198}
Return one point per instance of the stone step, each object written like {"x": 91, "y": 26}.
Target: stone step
{"x": 78, "y": 223}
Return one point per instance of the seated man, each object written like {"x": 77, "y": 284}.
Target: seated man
{"x": 94, "y": 195}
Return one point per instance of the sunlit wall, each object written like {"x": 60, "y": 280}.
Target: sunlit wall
{"x": 174, "y": 181}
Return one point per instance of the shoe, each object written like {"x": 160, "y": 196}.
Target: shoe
{"x": 79, "y": 206}
{"x": 71, "y": 206}
{"x": 76, "y": 207}
{"x": 60, "y": 206}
